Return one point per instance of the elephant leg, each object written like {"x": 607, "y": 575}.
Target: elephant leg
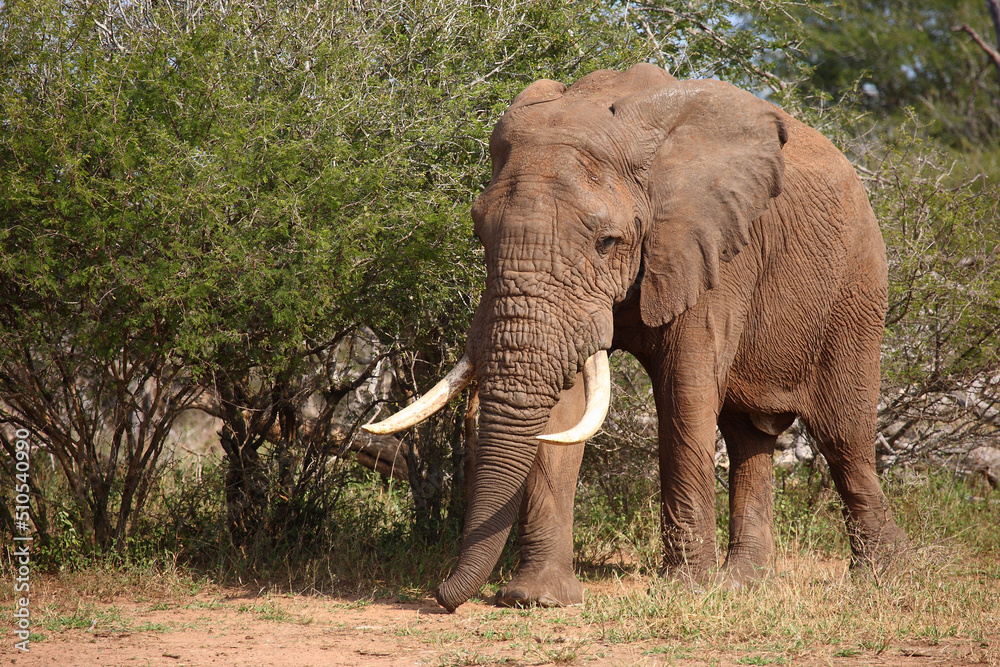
{"x": 687, "y": 484}
{"x": 849, "y": 449}
{"x": 545, "y": 574}
{"x": 842, "y": 418}
{"x": 751, "y": 502}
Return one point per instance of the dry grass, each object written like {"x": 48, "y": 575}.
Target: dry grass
{"x": 944, "y": 602}
{"x": 810, "y": 609}
{"x": 810, "y": 602}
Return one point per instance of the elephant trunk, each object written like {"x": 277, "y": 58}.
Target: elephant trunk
{"x": 517, "y": 390}
{"x": 505, "y": 451}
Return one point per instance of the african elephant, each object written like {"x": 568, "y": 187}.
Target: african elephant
{"x": 732, "y": 250}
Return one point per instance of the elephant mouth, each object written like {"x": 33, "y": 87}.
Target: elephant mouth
{"x": 597, "y": 387}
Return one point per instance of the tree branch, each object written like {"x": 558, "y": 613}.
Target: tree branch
{"x": 993, "y": 54}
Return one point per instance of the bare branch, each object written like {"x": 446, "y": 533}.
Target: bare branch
{"x": 992, "y": 53}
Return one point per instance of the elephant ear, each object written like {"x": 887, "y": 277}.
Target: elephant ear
{"x": 713, "y": 160}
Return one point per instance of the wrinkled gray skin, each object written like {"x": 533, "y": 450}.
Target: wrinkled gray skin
{"x": 727, "y": 246}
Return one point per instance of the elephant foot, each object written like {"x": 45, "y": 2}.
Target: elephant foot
{"x": 748, "y": 561}
{"x": 728, "y": 577}
{"x": 878, "y": 555}
{"x": 545, "y": 588}
{"x": 695, "y": 567}
{"x": 741, "y": 573}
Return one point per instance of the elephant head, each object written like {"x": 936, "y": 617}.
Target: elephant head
{"x": 625, "y": 186}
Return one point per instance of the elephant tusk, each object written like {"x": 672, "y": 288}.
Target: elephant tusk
{"x": 597, "y": 386}
{"x": 435, "y": 399}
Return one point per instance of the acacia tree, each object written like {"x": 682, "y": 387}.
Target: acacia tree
{"x": 211, "y": 198}
{"x": 88, "y": 355}
{"x": 908, "y": 54}
{"x": 941, "y": 352}
{"x": 428, "y": 81}
{"x": 171, "y": 224}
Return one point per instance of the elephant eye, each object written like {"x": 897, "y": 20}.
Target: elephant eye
{"x": 605, "y": 244}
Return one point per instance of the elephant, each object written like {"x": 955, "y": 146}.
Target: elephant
{"x": 733, "y": 251}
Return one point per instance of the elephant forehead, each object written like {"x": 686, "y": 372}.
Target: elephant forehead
{"x": 544, "y": 219}
{"x": 573, "y": 122}
{"x": 582, "y": 116}
{"x": 569, "y": 146}
{"x": 539, "y": 194}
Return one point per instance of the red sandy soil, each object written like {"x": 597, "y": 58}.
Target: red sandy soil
{"x": 236, "y": 627}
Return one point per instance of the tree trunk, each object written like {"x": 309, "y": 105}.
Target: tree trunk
{"x": 246, "y": 488}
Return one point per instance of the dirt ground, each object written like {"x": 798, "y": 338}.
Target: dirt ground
{"x": 237, "y": 627}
